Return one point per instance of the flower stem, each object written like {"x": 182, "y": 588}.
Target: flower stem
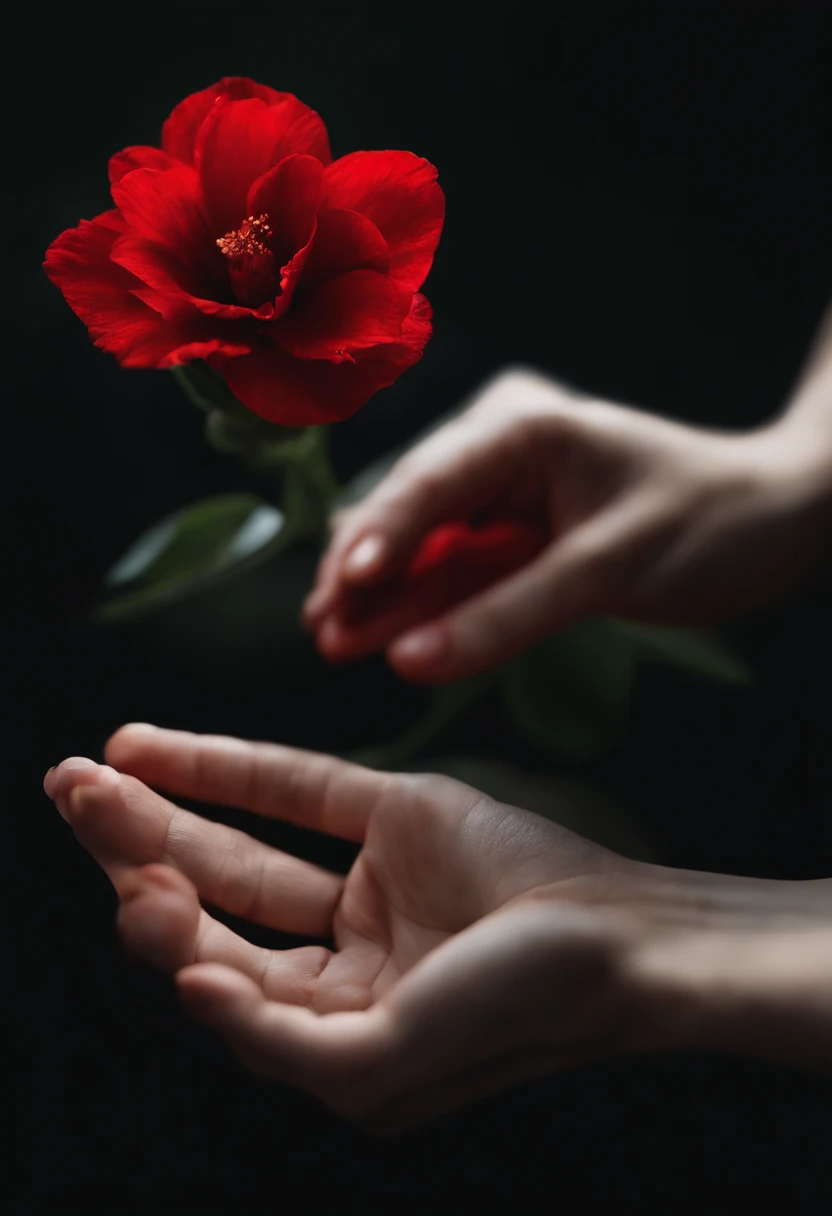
{"x": 308, "y": 486}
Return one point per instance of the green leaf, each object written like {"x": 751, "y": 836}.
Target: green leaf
{"x": 569, "y": 694}
{"x": 200, "y": 542}
{"x": 698, "y": 652}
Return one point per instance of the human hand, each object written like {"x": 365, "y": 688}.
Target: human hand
{"x": 617, "y": 512}
{"x": 474, "y": 944}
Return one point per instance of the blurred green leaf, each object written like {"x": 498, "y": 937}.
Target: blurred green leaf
{"x": 206, "y": 539}
{"x": 569, "y": 694}
{"x": 688, "y": 648}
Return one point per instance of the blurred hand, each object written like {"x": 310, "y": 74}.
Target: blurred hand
{"x": 635, "y": 516}
{"x": 474, "y": 944}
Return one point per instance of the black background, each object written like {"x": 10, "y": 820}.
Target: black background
{"x": 638, "y": 201}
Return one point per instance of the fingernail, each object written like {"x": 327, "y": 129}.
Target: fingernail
{"x": 106, "y": 775}
{"x": 422, "y": 646}
{"x": 366, "y": 556}
{"x": 50, "y": 781}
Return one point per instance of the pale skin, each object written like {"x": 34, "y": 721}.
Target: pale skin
{"x": 474, "y": 944}
{"x": 647, "y": 519}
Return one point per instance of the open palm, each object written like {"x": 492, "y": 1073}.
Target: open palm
{"x": 442, "y": 891}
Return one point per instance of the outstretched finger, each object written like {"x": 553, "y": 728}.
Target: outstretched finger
{"x": 310, "y": 789}
{"x": 123, "y": 823}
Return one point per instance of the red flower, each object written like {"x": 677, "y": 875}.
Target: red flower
{"x": 454, "y": 561}
{"x": 494, "y": 548}
{"x": 240, "y": 241}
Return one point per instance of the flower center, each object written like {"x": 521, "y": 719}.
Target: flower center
{"x": 250, "y": 261}
{"x": 247, "y": 240}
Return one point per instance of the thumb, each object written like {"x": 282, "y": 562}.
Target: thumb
{"x": 584, "y": 573}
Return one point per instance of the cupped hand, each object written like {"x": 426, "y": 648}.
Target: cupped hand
{"x": 474, "y": 945}
{"x": 616, "y": 512}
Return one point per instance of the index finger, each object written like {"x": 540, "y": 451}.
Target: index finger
{"x": 306, "y": 788}
{"x": 458, "y": 470}
{"x": 461, "y": 467}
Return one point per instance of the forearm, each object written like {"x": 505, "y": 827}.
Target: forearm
{"x": 804, "y": 429}
{"x": 741, "y": 966}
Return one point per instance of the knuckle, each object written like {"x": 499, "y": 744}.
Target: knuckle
{"x": 523, "y": 390}
{"x": 420, "y": 478}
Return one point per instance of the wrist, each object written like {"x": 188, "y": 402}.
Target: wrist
{"x": 749, "y": 978}
{"x": 772, "y": 999}
{"x": 794, "y": 450}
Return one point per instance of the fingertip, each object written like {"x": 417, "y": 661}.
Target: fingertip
{"x": 70, "y": 783}
{"x": 366, "y": 559}
{"x": 422, "y": 654}
{"x": 135, "y": 729}
{"x": 50, "y": 781}
{"x": 329, "y": 639}
{"x": 129, "y": 736}
{"x": 313, "y": 609}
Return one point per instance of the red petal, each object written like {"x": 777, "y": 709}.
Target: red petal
{"x": 399, "y": 193}
{"x": 164, "y": 207}
{"x": 289, "y": 195}
{"x": 202, "y": 349}
{"x": 351, "y": 313}
{"x": 344, "y": 241}
{"x": 497, "y": 543}
{"x": 180, "y": 130}
{"x": 161, "y": 271}
{"x": 137, "y": 157}
{"x": 454, "y": 562}
{"x": 241, "y": 140}
{"x": 104, "y": 296}
{"x": 309, "y": 392}
{"x": 78, "y": 263}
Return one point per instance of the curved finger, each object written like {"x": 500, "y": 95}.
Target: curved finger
{"x": 463, "y": 466}
{"x": 161, "y": 921}
{"x": 462, "y": 469}
{"x": 367, "y": 619}
{"x": 122, "y": 822}
{"x": 307, "y": 788}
